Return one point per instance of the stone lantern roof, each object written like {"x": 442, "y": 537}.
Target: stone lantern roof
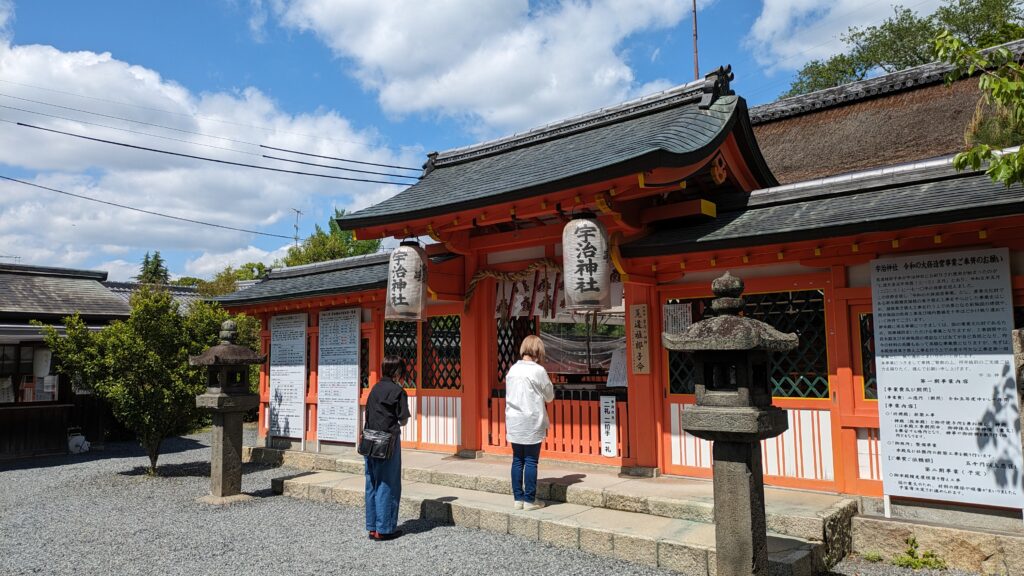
{"x": 226, "y": 353}
{"x": 728, "y": 330}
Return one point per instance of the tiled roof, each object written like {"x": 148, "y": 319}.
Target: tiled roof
{"x": 183, "y": 295}
{"x": 909, "y": 79}
{"x": 334, "y": 277}
{"x": 675, "y": 127}
{"x": 48, "y": 293}
{"x": 932, "y": 193}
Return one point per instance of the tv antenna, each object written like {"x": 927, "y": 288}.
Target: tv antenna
{"x": 297, "y": 214}
{"x": 696, "y": 67}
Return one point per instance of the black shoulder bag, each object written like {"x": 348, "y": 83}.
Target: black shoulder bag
{"x": 375, "y": 443}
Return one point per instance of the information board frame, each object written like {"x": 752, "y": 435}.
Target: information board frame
{"x": 287, "y": 379}
{"x": 338, "y": 375}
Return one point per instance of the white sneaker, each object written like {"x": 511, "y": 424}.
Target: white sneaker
{"x": 518, "y": 505}
{"x": 533, "y": 505}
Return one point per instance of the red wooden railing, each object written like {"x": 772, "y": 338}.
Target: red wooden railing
{"x": 575, "y": 432}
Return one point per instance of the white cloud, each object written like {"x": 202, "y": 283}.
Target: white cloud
{"x": 789, "y": 33}
{"x": 6, "y": 19}
{"x": 209, "y": 264}
{"x": 50, "y": 229}
{"x": 120, "y": 270}
{"x": 496, "y": 65}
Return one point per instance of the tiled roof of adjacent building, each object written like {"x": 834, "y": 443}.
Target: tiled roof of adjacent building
{"x": 334, "y": 277}
{"x": 898, "y": 197}
{"x": 52, "y": 293}
{"x": 183, "y": 295}
{"x": 672, "y": 128}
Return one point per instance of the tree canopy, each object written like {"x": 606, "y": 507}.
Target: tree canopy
{"x": 999, "y": 121}
{"x": 153, "y": 270}
{"x": 140, "y": 365}
{"x": 905, "y": 39}
{"x": 331, "y": 244}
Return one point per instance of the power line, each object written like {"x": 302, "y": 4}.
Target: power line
{"x": 339, "y": 167}
{"x": 187, "y": 115}
{"x": 339, "y": 159}
{"x": 204, "y": 158}
{"x": 128, "y": 130}
{"x": 194, "y": 133}
{"x": 150, "y": 212}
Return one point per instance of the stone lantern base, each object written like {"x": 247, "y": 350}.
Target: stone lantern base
{"x": 226, "y": 444}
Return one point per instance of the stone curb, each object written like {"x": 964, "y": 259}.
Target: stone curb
{"x": 683, "y": 557}
{"x": 832, "y": 527}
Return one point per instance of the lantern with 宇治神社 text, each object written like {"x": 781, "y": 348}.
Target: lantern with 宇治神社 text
{"x": 407, "y": 283}
{"x": 586, "y": 267}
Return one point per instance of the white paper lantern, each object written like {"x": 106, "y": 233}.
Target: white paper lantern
{"x": 586, "y": 267}
{"x": 407, "y": 283}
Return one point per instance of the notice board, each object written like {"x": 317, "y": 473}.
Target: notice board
{"x": 337, "y": 415}
{"x": 948, "y": 409}
{"x": 287, "y": 375}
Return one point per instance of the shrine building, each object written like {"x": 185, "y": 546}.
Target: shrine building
{"x": 681, "y": 184}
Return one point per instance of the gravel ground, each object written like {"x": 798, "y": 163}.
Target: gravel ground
{"x": 98, "y": 513}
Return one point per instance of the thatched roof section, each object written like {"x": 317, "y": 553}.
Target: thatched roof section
{"x": 926, "y": 122}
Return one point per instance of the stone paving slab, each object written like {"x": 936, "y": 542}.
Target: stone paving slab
{"x": 678, "y": 544}
{"x": 810, "y": 516}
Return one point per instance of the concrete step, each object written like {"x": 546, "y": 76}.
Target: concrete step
{"x": 810, "y": 516}
{"x": 682, "y": 545}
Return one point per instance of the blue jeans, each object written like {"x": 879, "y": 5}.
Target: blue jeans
{"x": 524, "y": 471}
{"x": 383, "y": 491}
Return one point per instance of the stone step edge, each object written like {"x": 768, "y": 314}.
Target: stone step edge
{"x": 686, "y": 558}
{"x": 833, "y": 527}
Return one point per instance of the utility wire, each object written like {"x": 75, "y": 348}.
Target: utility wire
{"x": 339, "y": 159}
{"x": 194, "y": 157}
{"x": 185, "y": 114}
{"x": 194, "y": 133}
{"x": 162, "y": 215}
{"x": 130, "y": 131}
{"x": 339, "y": 167}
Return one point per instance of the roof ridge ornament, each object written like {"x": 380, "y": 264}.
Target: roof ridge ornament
{"x": 716, "y": 85}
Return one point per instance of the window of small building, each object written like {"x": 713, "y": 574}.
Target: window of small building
{"x": 580, "y": 348}
{"x": 400, "y": 340}
{"x": 442, "y": 353}
{"x": 801, "y": 373}
{"x": 18, "y": 382}
{"x": 364, "y": 362}
{"x": 866, "y": 323}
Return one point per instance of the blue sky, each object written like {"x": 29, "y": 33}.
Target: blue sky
{"x": 383, "y": 82}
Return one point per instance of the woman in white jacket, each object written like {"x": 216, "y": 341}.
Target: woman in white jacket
{"x": 527, "y": 390}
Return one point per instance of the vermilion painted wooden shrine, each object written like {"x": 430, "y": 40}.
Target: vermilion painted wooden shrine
{"x": 681, "y": 183}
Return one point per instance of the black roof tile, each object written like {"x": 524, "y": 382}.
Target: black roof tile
{"x": 335, "y": 277}
{"x": 841, "y": 206}
{"x": 45, "y": 292}
{"x": 670, "y": 128}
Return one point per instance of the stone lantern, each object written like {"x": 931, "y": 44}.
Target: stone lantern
{"x": 734, "y": 412}
{"x": 228, "y": 398}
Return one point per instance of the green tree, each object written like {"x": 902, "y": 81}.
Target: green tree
{"x": 153, "y": 270}
{"x": 1001, "y": 81}
{"x": 140, "y": 365}
{"x": 328, "y": 245}
{"x": 905, "y": 40}
{"x": 226, "y": 280}
{"x": 187, "y": 281}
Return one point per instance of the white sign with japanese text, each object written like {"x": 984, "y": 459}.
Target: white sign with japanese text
{"x": 609, "y": 427}
{"x": 950, "y": 420}
{"x": 287, "y": 375}
{"x": 337, "y": 413}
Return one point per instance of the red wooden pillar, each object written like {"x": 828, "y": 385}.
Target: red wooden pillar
{"x": 644, "y": 393}
{"x": 313, "y": 339}
{"x": 477, "y": 357}
{"x": 264, "y": 388}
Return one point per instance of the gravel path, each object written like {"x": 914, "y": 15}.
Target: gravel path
{"x": 98, "y": 513}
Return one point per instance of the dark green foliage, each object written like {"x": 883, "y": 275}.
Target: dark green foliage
{"x": 911, "y": 559}
{"x": 906, "y": 39}
{"x": 140, "y": 365}
{"x": 329, "y": 245}
{"x": 153, "y": 270}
